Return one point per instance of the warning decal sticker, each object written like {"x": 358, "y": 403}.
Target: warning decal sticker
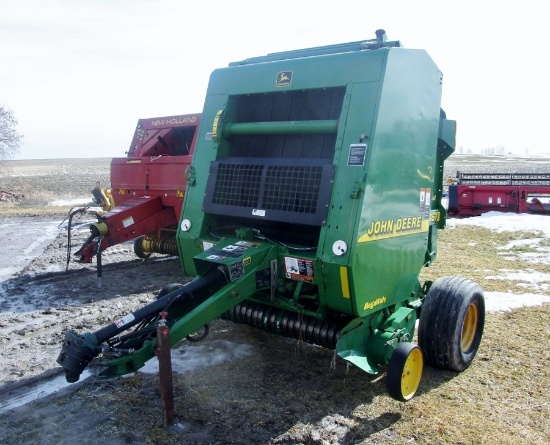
{"x": 236, "y": 270}
{"x": 357, "y": 154}
{"x": 299, "y": 269}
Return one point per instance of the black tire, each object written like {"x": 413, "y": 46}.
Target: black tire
{"x": 452, "y": 318}
{"x": 138, "y": 248}
{"x": 203, "y": 332}
{"x": 200, "y": 335}
{"x": 404, "y": 371}
{"x": 168, "y": 288}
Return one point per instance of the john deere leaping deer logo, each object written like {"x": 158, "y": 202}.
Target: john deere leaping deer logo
{"x": 283, "y": 79}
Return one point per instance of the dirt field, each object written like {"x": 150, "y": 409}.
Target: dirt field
{"x": 242, "y": 385}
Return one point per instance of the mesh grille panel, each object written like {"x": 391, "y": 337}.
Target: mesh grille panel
{"x": 237, "y": 185}
{"x": 292, "y": 189}
{"x": 284, "y": 190}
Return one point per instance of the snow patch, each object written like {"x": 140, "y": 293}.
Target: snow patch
{"x": 37, "y": 390}
{"x": 189, "y": 356}
{"x": 502, "y": 302}
{"x": 70, "y": 202}
{"x": 506, "y": 222}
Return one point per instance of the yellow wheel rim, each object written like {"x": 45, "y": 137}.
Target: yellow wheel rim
{"x": 412, "y": 373}
{"x": 469, "y": 327}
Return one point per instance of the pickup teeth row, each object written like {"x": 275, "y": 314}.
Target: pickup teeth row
{"x": 289, "y": 324}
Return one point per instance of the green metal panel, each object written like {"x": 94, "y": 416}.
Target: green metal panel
{"x": 392, "y": 230}
{"x": 191, "y": 242}
{"x": 384, "y": 158}
{"x": 348, "y": 191}
{"x": 306, "y": 73}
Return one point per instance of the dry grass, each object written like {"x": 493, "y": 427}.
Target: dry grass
{"x": 288, "y": 395}
{"x": 476, "y": 253}
{"x": 24, "y": 209}
{"x": 502, "y": 399}
{"x": 42, "y": 181}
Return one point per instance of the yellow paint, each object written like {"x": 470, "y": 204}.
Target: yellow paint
{"x": 102, "y": 228}
{"x": 391, "y": 228}
{"x": 345, "y": 281}
{"x": 426, "y": 175}
{"x": 215, "y": 124}
{"x": 469, "y": 328}
{"x": 435, "y": 216}
{"x": 372, "y": 304}
{"x": 411, "y": 373}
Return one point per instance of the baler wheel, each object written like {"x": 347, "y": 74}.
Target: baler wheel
{"x": 168, "y": 288}
{"x": 451, "y": 323}
{"x": 138, "y": 248}
{"x": 203, "y": 332}
{"x": 200, "y": 335}
{"x": 404, "y": 371}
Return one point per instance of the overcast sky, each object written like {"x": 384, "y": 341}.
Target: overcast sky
{"x": 78, "y": 74}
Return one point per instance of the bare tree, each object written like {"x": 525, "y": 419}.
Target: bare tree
{"x": 10, "y": 139}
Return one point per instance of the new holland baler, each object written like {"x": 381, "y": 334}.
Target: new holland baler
{"x": 312, "y": 204}
{"x": 146, "y": 195}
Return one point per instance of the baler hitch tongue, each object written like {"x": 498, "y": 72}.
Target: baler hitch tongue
{"x": 78, "y": 351}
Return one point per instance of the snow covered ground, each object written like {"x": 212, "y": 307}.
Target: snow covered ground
{"x": 528, "y": 278}
{"x": 22, "y": 241}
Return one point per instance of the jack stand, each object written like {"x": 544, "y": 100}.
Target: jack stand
{"x": 99, "y": 265}
{"x": 165, "y": 370}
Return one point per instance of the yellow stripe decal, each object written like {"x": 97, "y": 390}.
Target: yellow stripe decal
{"x": 344, "y": 280}
{"x": 391, "y": 228}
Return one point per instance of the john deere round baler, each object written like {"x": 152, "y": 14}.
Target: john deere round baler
{"x": 313, "y": 202}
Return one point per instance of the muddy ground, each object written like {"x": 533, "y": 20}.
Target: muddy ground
{"x": 46, "y": 296}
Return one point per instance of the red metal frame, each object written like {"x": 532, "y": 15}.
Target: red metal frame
{"x": 157, "y": 160}
{"x": 148, "y": 185}
{"x": 474, "y": 200}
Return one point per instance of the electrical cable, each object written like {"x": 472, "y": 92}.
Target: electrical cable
{"x": 214, "y": 231}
